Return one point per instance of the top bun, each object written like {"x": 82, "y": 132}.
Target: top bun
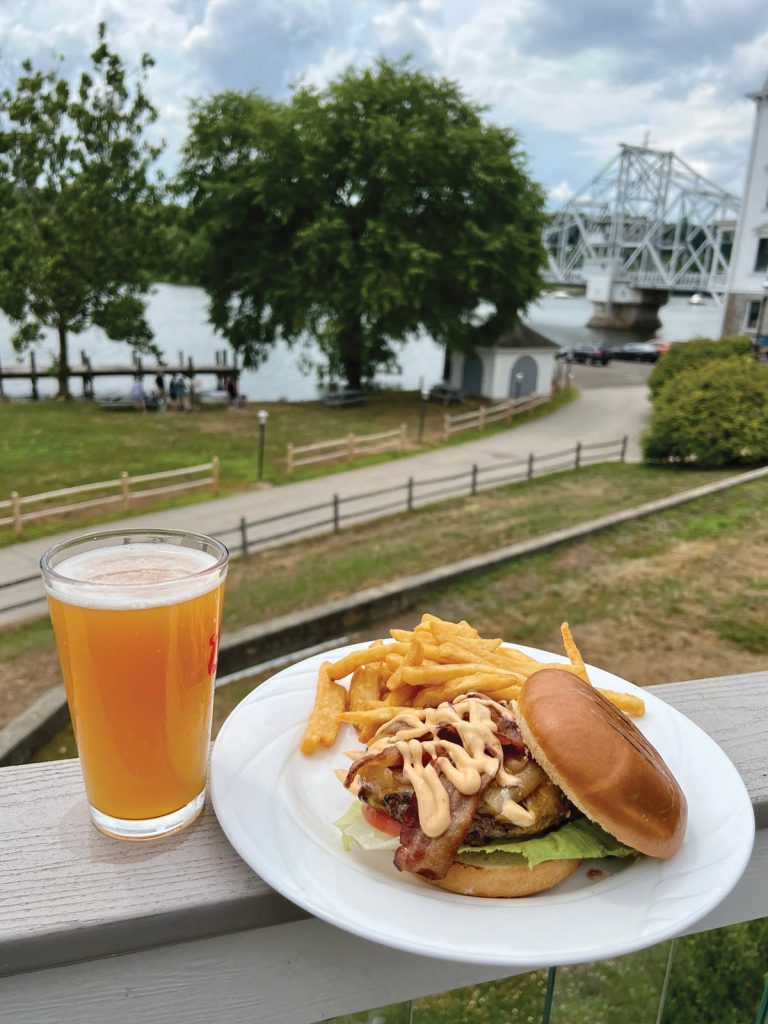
{"x": 602, "y": 762}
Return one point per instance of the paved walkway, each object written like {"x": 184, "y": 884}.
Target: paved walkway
{"x": 601, "y": 413}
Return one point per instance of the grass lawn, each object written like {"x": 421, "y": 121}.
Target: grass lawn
{"x": 48, "y": 445}
{"x": 654, "y": 600}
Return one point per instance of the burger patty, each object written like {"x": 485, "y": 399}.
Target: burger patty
{"x": 387, "y": 790}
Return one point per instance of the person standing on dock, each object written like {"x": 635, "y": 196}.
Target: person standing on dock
{"x": 139, "y": 398}
{"x": 182, "y": 393}
{"x": 160, "y": 389}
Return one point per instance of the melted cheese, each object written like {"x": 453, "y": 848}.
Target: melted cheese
{"x": 469, "y": 764}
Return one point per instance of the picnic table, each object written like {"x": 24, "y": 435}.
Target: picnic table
{"x": 446, "y": 394}
{"x": 345, "y": 396}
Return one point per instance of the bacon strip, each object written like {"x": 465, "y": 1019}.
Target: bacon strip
{"x": 431, "y": 858}
{"x": 389, "y": 757}
{"x": 510, "y": 736}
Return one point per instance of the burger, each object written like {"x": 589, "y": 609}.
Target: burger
{"x": 490, "y": 798}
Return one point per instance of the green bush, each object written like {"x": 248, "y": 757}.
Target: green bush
{"x": 693, "y": 353}
{"x": 715, "y": 414}
{"x": 718, "y": 977}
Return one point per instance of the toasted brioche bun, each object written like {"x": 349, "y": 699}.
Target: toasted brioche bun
{"x": 602, "y": 762}
{"x": 507, "y": 880}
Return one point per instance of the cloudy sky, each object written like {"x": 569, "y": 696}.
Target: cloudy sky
{"x": 574, "y": 77}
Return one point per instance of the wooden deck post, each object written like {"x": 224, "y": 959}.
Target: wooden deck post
{"x": 350, "y": 447}
{"x": 126, "y": 489}
{"x": 215, "y": 474}
{"x": 289, "y": 459}
{"x": 18, "y": 525}
{"x": 403, "y": 436}
{"x": 446, "y": 426}
{"x": 481, "y": 413}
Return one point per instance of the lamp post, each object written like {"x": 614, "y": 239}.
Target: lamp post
{"x": 518, "y": 382}
{"x": 262, "y": 415}
{"x": 422, "y": 413}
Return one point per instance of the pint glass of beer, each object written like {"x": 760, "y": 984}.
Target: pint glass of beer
{"x": 136, "y": 615}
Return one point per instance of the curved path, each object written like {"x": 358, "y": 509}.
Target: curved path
{"x": 601, "y": 413}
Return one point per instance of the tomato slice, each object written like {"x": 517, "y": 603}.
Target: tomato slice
{"x": 381, "y": 821}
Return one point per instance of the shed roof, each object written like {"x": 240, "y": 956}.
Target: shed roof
{"x": 516, "y": 335}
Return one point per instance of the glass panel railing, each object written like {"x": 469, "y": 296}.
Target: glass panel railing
{"x": 628, "y": 989}
{"x": 518, "y": 1000}
{"x": 398, "y": 1013}
{"x": 718, "y": 977}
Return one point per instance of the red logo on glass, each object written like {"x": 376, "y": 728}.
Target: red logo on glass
{"x": 213, "y": 658}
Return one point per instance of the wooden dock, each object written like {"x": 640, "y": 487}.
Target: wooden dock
{"x": 86, "y": 371}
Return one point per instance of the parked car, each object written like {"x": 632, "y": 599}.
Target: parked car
{"x": 594, "y": 355}
{"x": 636, "y": 352}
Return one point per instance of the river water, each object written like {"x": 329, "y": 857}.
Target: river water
{"x": 179, "y": 321}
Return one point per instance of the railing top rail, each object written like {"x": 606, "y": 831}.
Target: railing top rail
{"x": 464, "y": 475}
{"x": 184, "y": 471}
{"x": 345, "y": 499}
{"x": 341, "y": 442}
{"x": 63, "y": 492}
{"x": 60, "y": 901}
{"x": 99, "y": 485}
{"x": 316, "y": 446}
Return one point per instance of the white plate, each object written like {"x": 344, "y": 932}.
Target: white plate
{"x": 277, "y": 808}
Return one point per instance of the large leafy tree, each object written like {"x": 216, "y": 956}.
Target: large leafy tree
{"x": 75, "y": 203}
{"x": 378, "y": 206}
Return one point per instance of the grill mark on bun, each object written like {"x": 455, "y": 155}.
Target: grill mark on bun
{"x": 619, "y": 721}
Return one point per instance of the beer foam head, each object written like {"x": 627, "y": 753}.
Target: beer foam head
{"x": 131, "y": 576}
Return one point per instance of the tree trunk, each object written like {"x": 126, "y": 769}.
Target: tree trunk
{"x": 352, "y": 371}
{"x": 350, "y": 351}
{"x": 63, "y": 363}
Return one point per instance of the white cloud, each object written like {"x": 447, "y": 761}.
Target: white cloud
{"x": 560, "y": 193}
{"x": 576, "y": 78}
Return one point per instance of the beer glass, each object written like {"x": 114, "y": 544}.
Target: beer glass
{"x": 136, "y": 615}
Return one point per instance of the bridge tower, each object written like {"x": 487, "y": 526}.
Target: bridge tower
{"x": 746, "y": 306}
{"x": 646, "y": 225}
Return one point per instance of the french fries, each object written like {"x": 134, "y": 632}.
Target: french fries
{"x": 436, "y": 661}
{"x": 330, "y": 701}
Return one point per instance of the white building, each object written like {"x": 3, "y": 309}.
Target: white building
{"x": 747, "y": 295}
{"x": 519, "y": 362}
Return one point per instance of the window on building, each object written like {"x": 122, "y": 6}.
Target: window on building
{"x": 761, "y": 263}
{"x": 751, "y": 313}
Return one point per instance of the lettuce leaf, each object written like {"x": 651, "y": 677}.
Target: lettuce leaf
{"x": 356, "y": 832}
{"x": 581, "y": 839}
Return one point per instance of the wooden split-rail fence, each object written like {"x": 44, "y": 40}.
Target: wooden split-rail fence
{"x": 125, "y": 486}
{"x": 346, "y": 448}
{"x": 480, "y": 418}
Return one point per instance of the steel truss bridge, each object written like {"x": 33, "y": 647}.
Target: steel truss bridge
{"x": 662, "y": 225}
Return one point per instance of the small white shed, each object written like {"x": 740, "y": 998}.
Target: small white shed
{"x": 519, "y": 362}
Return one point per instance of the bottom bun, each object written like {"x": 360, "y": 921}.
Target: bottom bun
{"x": 506, "y": 881}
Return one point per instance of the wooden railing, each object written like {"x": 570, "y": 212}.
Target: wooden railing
{"x": 124, "y": 486}
{"x": 349, "y": 447}
{"x": 98, "y": 931}
{"x": 480, "y": 418}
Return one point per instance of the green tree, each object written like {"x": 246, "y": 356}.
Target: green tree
{"x": 378, "y": 206}
{"x": 712, "y": 414}
{"x": 75, "y": 196}
{"x": 694, "y": 353}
